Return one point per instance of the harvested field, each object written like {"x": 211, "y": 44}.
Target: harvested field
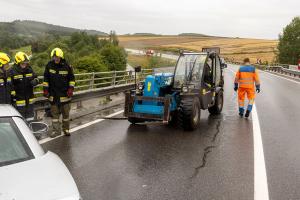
{"x": 232, "y": 48}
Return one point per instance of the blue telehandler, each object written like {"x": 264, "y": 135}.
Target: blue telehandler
{"x": 196, "y": 84}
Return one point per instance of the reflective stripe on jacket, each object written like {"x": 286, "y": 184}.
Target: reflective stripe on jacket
{"x": 22, "y": 84}
{"x": 247, "y": 77}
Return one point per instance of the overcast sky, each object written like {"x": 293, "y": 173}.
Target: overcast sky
{"x": 243, "y": 18}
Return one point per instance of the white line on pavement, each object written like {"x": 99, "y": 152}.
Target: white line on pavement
{"x": 260, "y": 176}
{"x": 81, "y": 127}
{"x": 261, "y": 191}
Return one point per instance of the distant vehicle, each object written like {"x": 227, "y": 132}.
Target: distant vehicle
{"x": 197, "y": 83}
{"x": 149, "y": 52}
{"x": 26, "y": 171}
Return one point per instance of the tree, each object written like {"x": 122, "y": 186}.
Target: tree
{"x": 289, "y": 43}
{"x": 92, "y": 63}
{"x": 114, "y": 57}
{"x": 113, "y": 38}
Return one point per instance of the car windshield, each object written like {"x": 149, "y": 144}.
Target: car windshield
{"x": 13, "y": 148}
{"x": 185, "y": 64}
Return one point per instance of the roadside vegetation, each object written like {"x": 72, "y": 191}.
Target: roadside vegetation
{"x": 86, "y": 53}
{"x": 82, "y": 48}
{"x": 149, "y": 62}
{"x": 289, "y": 43}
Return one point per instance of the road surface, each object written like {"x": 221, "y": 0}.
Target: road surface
{"x": 116, "y": 160}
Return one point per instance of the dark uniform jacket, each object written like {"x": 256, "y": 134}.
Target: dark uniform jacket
{"x": 58, "y": 78}
{"x": 6, "y": 87}
{"x": 22, "y": 84}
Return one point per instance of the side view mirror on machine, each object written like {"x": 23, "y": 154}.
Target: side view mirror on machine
{"x": 138, "y": 69}
{"x": 224, "y": 65}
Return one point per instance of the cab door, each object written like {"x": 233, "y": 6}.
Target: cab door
{"x": 208, "y": 82}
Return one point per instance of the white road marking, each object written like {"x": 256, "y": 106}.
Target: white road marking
{"x": 261, "y": 191}
{"x": 81, "y": 127}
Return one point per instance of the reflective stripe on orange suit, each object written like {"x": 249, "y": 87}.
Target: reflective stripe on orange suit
{"x": 247, "y": 77}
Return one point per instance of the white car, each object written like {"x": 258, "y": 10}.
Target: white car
{"x": 26, "y": 171}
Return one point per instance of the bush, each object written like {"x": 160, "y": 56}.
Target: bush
{"x": 92, "y": 63}
{"x": 86, "y": 53}
{"x": 114, "y": 57}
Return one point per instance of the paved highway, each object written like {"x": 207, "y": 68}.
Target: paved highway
{"x": 116, "y": 160}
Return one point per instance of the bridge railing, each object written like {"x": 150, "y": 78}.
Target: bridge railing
{"x": 96, "y": 84}
{"x": 97, "y": 80}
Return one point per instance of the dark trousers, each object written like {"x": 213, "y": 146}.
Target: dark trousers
{"x": 27, "y": 111}
{"x": 56, "y": 111}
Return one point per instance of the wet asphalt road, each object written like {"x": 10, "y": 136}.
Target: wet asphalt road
{"x": 116, "y": 160}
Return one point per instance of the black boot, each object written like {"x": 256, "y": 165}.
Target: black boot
{"x": 247, "y": 114}
{"x": 241, "y": 114}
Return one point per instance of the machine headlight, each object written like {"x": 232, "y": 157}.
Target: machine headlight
{"x": 140, "y": 86}
{"x": 185, "y": 89}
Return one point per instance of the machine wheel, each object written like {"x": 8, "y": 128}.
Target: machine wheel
{"x": 133, "y": 120}
{"x": 218, "y": 107}
{"x": 189, "y": 113}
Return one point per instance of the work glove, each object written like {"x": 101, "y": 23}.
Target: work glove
{"x": 258, "y": 89}
{"x": 236, "y": 87}
{"x": 70, "y": 92}
{"x": 46, "y": 93}
{"x": 34, "y": 82}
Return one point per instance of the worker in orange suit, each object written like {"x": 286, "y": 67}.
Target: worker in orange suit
{"x": 246, "y": 82}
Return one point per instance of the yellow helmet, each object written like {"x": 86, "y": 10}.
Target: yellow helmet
{"x": 21, "y": 57}
{"x": 4, "y": 59}
{"x": 57, "y": 52}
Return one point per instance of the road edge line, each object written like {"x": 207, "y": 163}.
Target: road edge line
{"x": 260, "y": 176}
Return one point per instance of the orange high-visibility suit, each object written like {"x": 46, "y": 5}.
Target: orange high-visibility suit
{"x": 246, "y": 78}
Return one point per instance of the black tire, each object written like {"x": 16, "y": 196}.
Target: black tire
{"x": 133, "y": 120}
{"x": 218, "y": 107}
{"x": 189, "y": 113}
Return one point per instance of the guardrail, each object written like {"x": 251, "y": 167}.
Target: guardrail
{"x": 283, "y": 70}
{"x": 96, "y": 84}
{"x": 278, "y": 68}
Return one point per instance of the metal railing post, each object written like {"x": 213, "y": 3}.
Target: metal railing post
{"x": 114, "y": 78}
{"x": 92, "y": 82}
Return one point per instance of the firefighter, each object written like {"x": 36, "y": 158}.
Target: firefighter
{"x": 246, "y": 82}
{"x": 59, "y": 82}
{"x": 23, "y": 80}
{"x": 6, "y": 88}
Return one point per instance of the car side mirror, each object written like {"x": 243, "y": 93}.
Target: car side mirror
{"x": 39, "y": 128}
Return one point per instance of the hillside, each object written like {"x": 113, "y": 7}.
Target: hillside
{"x": 235, "y": 49}
{"x": 33, "y": 28}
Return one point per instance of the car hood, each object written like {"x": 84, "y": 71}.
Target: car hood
{"x": 42, "y": 178}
